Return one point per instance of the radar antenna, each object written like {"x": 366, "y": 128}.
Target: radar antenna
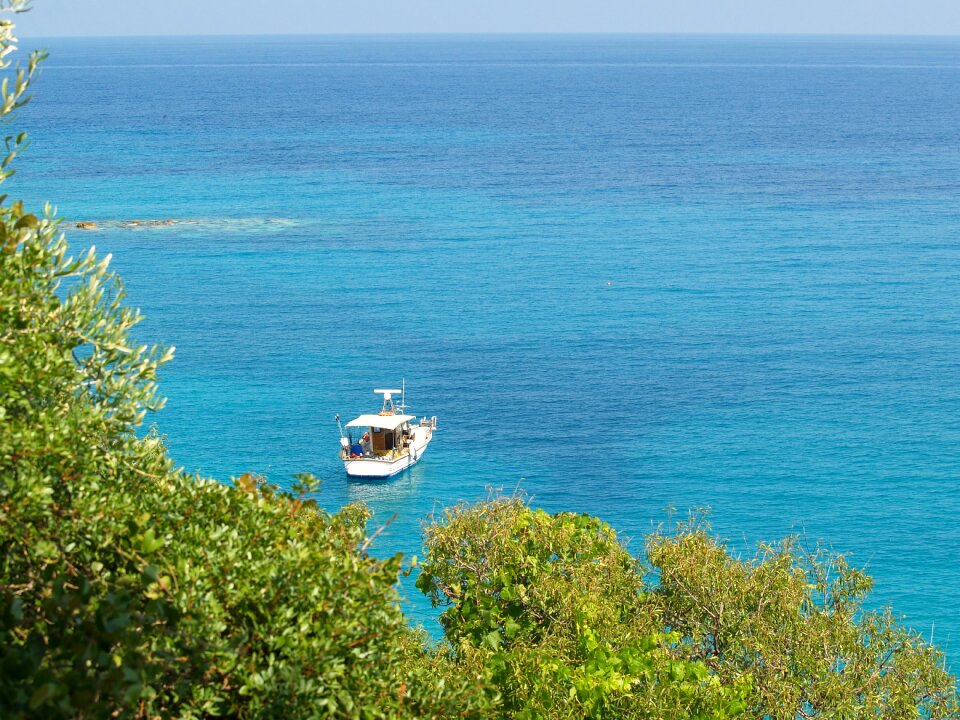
{"x": 388, "y": 408}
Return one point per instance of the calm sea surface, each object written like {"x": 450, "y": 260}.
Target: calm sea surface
{"x": 627, "y": 273}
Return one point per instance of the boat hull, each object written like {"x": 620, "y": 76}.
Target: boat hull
{"x": 369, "y": 469}
{"x": 378, "y": 468}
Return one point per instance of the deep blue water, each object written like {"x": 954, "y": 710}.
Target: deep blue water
{"x": 629, "y": 273}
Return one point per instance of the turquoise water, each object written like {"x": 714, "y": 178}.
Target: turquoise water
{"x": 626, "y": 273}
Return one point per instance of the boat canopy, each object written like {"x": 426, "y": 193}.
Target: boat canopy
{"x": 386, "y": 422}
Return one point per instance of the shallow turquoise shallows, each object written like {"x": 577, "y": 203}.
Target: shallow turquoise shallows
{"x": 627, "y": 273}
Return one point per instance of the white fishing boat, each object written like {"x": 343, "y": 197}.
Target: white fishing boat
{"x": 383, "y": 444}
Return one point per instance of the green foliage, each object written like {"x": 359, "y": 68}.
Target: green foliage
{"x": 563, "y": 622}
{"x": 551, "y": 609}
{"x": 795, "y": 622}
{"x": 14, "y": 95}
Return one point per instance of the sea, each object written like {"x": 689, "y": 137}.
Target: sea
{"x": 632, "y": 276}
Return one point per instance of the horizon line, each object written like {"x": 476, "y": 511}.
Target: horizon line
{"x": 501, "y": 33}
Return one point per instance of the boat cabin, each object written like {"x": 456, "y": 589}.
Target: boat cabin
{"x": 381, "y": 434}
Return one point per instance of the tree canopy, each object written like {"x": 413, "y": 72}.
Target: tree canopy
{"x": 569, "y": 624}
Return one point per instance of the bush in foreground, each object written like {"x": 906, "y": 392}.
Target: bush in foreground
{"x": 553, "y": 610}
{"x": 567, "y": 624}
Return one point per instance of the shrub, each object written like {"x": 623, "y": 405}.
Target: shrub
{"x": 552, "y": 610}
{"x": 795, "y": 621}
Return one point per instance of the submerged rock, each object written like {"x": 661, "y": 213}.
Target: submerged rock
{"x": 147, "y": 223}
{"x": 233, "y": 224}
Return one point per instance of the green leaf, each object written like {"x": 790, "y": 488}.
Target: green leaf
{"x": 26, "y": 221}
{"x": 42, "y": 695}
{"x": 150, "y": 543}
{"x": 492, "y": 640}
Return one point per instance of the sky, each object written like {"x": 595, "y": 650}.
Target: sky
{"x": 51, "y": 18}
